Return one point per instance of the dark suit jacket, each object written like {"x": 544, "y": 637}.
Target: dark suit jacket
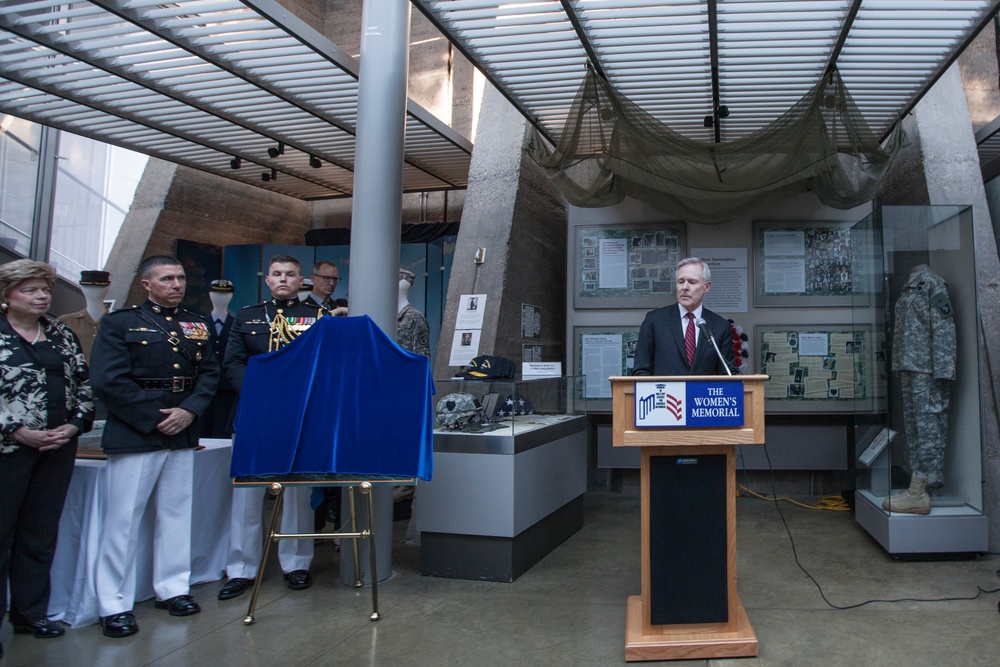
{"x": 660, "y": 349}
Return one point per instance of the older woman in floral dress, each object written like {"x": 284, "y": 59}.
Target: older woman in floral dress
{"x": 45, "y": 403}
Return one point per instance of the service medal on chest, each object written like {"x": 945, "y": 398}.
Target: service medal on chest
{"x": 194, "y": 330}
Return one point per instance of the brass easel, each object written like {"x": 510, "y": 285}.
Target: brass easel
{"x": 277, "y": 489}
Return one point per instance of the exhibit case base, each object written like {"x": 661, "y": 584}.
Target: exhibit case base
{"x": 950, "y": 528}
{"x": 495, "y": 558}
{"x": 693, "y": 641}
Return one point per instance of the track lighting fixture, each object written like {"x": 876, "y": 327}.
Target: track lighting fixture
{"x": 273, "y": 176}
{"x": 275, "y": 152}
{"x": 236, "y": 163}
{"x": 721, "y": 111}
{"x": 314, "y": 162}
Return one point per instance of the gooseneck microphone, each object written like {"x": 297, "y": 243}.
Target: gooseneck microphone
{"x": 703, "y": 326}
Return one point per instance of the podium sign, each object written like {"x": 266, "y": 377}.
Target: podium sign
{"x": 688, "y": 404}
{"x": 688, "y": 428}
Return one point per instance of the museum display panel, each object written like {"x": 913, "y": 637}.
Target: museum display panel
{"x": 510, "y": 471}
{"x": 918, "y": 441}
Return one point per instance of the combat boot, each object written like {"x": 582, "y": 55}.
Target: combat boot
{"x": 912, "y": 501}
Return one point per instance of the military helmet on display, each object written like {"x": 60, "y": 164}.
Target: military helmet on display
{"x": 455, "y": 410}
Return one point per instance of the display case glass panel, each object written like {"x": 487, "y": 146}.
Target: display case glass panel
{"x": 506, "y": 407}
{"x": 923, "y": 435}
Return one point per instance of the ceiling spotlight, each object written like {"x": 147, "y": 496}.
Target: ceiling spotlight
{"x": 275, "y": 152}
{"x": 722, "y": 111}
{"x": 314, "y": 162}
{"x": 273, "y": 176}
{"x": 709, "y": 121}
{"x": 264, "y": 176}
{"x": 236, "y": 163}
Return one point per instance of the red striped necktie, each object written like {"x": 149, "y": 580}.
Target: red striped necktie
{"x": 689, "y": 338}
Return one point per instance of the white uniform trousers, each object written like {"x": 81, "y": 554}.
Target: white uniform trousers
{"x": 166, "y": 478}
{"x": 246, "y": 531}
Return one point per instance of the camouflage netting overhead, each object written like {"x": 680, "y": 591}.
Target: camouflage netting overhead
{"x": 611, "y": 149}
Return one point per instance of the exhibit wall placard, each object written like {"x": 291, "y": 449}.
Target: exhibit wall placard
{"x": 626, "y": 266}
{"x": 826, "y": 368}
{"x": 807, "y": 264}
{"x": 600, "y": 352}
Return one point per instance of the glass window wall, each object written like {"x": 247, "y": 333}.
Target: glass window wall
{"x": 19, "y": 145}
{"x": 95, "y": 186}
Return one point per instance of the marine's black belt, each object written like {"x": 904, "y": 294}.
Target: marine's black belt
{"x": 176, "y": 385}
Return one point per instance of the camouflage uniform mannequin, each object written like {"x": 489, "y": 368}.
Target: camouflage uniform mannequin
{"x": 413, "y": 335}
{"x": 924, "y": 348}
{"x": 412, "y": 331}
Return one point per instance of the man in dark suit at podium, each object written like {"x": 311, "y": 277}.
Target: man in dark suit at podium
{"x": 670, "y": 340}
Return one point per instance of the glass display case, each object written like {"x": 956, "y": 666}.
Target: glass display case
{"x": 917, "y": 441}
{"x": 510, "y": 471}
{"x": 505, "y": 408}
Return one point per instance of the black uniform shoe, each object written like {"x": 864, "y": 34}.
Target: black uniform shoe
{"x": 43, "y": 629}
{"x": 179, "y": 605}
{"x": 298, "y": 579}
{"x": 119, "y": 625}
{"x": 235, "y": 587}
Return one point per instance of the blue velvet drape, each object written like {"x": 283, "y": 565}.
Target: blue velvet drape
{"x": 341, "y": 398}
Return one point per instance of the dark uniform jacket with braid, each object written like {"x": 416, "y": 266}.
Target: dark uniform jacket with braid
{"x": 254, "y": 326}
{"x": 151, "y": 342}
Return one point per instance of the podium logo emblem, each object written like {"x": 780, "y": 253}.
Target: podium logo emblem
{"x": 659, "y": 401}
{"x": 696, "y": 404}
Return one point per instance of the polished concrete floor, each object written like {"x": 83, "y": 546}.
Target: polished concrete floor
{"x": 570, "y": 608}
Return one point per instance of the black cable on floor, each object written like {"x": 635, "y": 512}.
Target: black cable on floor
{"x": 795, "y": 554}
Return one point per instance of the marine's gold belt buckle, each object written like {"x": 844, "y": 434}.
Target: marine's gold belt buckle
{"x": 177, "y": 385}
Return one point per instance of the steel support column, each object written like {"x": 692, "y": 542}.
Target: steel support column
{"x": 378, "y": 204}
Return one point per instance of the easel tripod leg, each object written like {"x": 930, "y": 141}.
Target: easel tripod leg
{"x": 366, "y": 488}
{"x": 278, "y": 491}
{"x": 354, "y": 542}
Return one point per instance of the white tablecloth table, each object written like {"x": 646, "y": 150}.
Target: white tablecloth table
{"x": 74, "y": 596}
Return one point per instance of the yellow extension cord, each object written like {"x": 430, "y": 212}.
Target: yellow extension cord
{"x": 834, "y": 503}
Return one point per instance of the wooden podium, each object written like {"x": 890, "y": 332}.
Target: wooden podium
{"x": 689, "y": 607}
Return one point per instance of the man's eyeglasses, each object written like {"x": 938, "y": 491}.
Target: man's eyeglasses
{"x": 329, "y": 279}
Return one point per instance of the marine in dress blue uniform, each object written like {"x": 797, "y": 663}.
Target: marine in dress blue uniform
{"x": 154, "y": 368}
{"x": 260, "y": 328}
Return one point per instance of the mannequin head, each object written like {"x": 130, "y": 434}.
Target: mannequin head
{"x": 220, "y": 301}
{"x": 305, "y": 289}
{"x": 220, "y": 293}
{"x": 94, "y": 285}
{"x": 406, "y": 279}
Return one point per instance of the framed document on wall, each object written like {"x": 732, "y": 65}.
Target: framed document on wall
{"x": 626, "y": 266}
{"x": 806, "y": 264}
{"x": 599, "y": 353}
{"x": 826, "y": 368}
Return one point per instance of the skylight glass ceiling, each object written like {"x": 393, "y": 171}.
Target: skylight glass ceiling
{"x": 212, "y": 84}
{"x": 660, "y": 54}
